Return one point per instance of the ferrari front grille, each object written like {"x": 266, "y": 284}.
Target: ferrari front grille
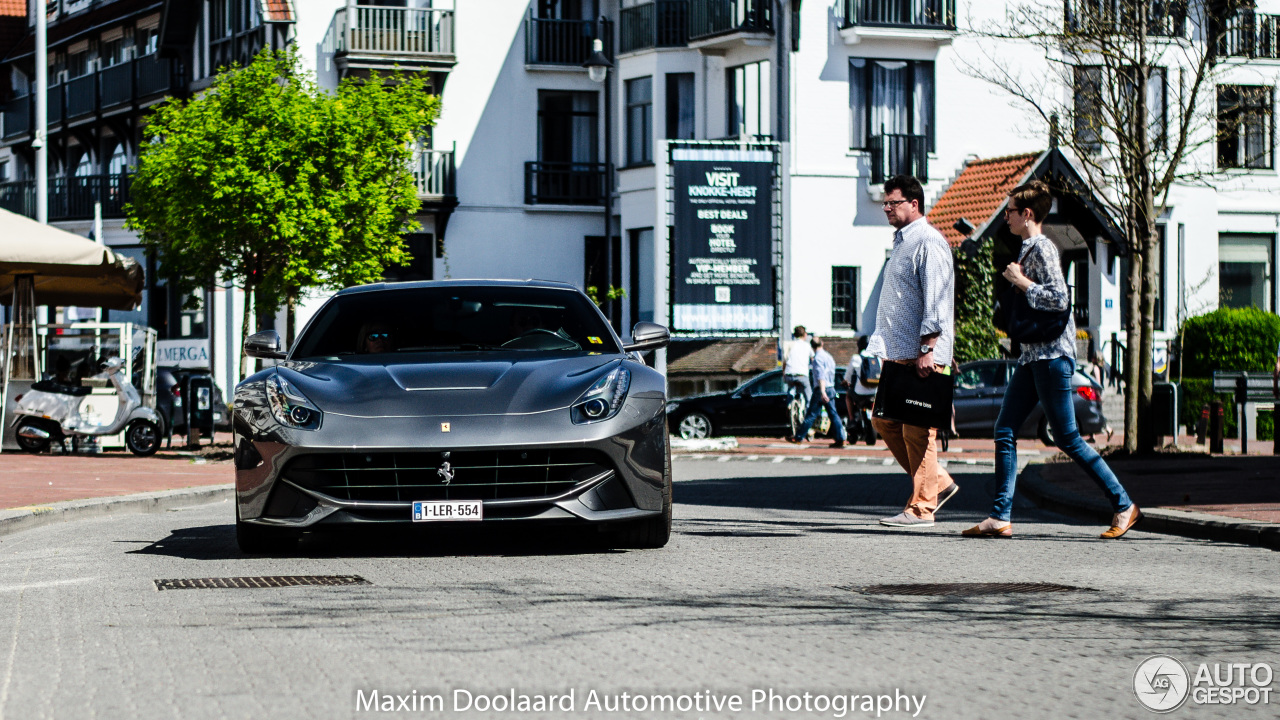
{"x": 467, "y": 475}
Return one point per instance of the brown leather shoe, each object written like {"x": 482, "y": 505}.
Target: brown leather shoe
{"x": 1119, "y": 527}
{"x": 1005, "y": 531}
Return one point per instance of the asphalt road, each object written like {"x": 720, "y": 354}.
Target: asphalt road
{"x": 758, "y": 590}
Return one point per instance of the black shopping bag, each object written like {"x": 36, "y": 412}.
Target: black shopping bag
{"x": 906, "y": 397}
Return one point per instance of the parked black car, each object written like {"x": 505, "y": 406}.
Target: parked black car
{"x": 172, "y": 406}
{"x": 756, "y": 407}
{"x": 979, "y": 392}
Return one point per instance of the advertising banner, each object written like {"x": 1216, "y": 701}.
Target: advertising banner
{"x": 722, "y": 249}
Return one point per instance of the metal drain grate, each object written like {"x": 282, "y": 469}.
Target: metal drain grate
{"x": 265, "y": 581}
{"x": 965, "y": 589}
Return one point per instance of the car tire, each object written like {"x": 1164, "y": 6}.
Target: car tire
{"x": 695, "y": 426}
{"x": 1046, "y": 432}
{"x": 651, "y": 533}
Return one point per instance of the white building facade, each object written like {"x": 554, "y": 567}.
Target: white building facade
{"x": 528, "y": 153}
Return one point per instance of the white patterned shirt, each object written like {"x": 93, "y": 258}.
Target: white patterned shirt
{"x": 1041, "y": 265}
{"x": 917, "y": 297}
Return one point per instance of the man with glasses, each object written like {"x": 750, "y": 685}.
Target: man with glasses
{"x": 915, "y": 326}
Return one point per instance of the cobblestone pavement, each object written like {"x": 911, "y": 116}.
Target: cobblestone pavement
{"x": 757, "y": 590}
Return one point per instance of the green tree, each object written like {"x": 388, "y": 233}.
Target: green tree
{"x": 268, "y": 182}
{"x": 976, "y": 336}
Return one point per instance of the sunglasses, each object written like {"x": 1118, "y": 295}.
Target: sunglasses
{"x": 380, "y": 336}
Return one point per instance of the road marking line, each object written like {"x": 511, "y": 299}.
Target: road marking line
{"x": 833, "y": 461}
{"x": 779, "y": 458}
{"x": 807, "y": 458}
{"x": 887, "y": 461}
{"x": 753, "y": 457}
{"x": 13, "y": 646}
{"x": 724, "y": 458}
{"x": 971, "y": 462}
{"x": 942, "y": 463}
{"x": 862, "y": 459}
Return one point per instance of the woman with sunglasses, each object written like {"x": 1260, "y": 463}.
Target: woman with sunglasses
{"x": 1044, "y": 372}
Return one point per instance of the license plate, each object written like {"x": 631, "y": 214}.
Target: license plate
{"x": 448, "y": 510}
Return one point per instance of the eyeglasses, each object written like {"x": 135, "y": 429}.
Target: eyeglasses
{"x": 380, "y": 336}
{"x": 1015, "y": 210}
{"x": 887, "y": 204}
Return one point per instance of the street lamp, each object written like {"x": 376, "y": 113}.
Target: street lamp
{"x": 598, "y": 67}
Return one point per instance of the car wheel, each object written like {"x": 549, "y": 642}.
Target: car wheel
{"x": 695, "y": 426}
{"x": 142, "y": 437}
{"x": 655, "y": 532}
{"x": 32, "y": 444}
{"x": 1046, "y": 432}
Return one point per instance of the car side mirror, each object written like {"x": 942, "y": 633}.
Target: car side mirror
{"x": 648, "y": 336}
{"x": 266, "y": 345}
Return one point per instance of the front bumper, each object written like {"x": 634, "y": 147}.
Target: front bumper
{"x": 300, "y": 480}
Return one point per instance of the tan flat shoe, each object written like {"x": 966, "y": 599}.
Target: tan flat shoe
{"x": 1005, "y": 530}
{"x": 1119, "y": 527}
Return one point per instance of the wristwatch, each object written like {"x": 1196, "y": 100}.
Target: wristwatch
{"x": 925, "y": 350}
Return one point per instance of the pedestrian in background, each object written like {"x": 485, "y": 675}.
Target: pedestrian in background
{"x": 1044, "y": 371}
{"x": 796, "y": 368}
{"x": 859, "y": 396}
{"x": 915, "y": 326}
{"x": 824, "y": 396}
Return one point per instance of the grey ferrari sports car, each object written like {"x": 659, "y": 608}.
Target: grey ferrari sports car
{"x": 453, "y": 401}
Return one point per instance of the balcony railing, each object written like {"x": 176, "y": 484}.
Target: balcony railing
{"x": 899, "y": 155}
{"x": 17, "y": 116}
{"x": 563, "y": 42}
{"x": 434, "y": 173}
{"x": 55, "y": 104}
{"x": 392, "y": 31}
{"x": 70, "y": 198}
{"x": 662, "y": 23}
{"x": 154, "y": 75}
{"x": 82, "y": 96}
{"x": 117, "y": 85}
{"x": 564, "y": 183}
{"x": 932, "y": 14}
{"x": 708, "y": 18}
{"x": 1165, "y": 18}
{"x": 1249, "y": 34}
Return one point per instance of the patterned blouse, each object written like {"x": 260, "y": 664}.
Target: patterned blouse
{"x": 1041, "y": 265}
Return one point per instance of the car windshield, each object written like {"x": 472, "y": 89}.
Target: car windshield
{"x": 456, "y": 319}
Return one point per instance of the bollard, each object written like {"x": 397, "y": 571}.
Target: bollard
{"x": 1242, "y": 422}
{"x": 1215, "y": 428}
{"x": 1202, "y": 426}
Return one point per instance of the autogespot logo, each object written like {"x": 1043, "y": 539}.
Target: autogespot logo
{"x": 1161, "y": 683}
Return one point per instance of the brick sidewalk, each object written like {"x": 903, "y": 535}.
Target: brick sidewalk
{"x": 27, "y": 480}
{"x": 1237, "y": 486}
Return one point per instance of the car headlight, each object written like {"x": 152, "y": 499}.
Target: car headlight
{"x": 603, "y": 399}
{"x": 289, "y": 406}
{"x": 671, "y": 407}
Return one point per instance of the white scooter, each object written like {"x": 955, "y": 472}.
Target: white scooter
{"x": 51, "y": 411}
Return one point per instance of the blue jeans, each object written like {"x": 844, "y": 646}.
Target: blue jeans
{"x": 1049, "y": 383}
{"x": 815, "y": 406}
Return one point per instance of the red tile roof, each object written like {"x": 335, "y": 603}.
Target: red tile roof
{"x": 278, "y": 10}
{"x": 748, "y": 357}
{"x": 978, "y": 192}
{"x": 13, "y": 8}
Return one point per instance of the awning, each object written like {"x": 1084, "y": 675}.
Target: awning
{"x": 68, "y": 269}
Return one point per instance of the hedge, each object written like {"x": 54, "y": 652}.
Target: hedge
{"x": 1229, "y": 339}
